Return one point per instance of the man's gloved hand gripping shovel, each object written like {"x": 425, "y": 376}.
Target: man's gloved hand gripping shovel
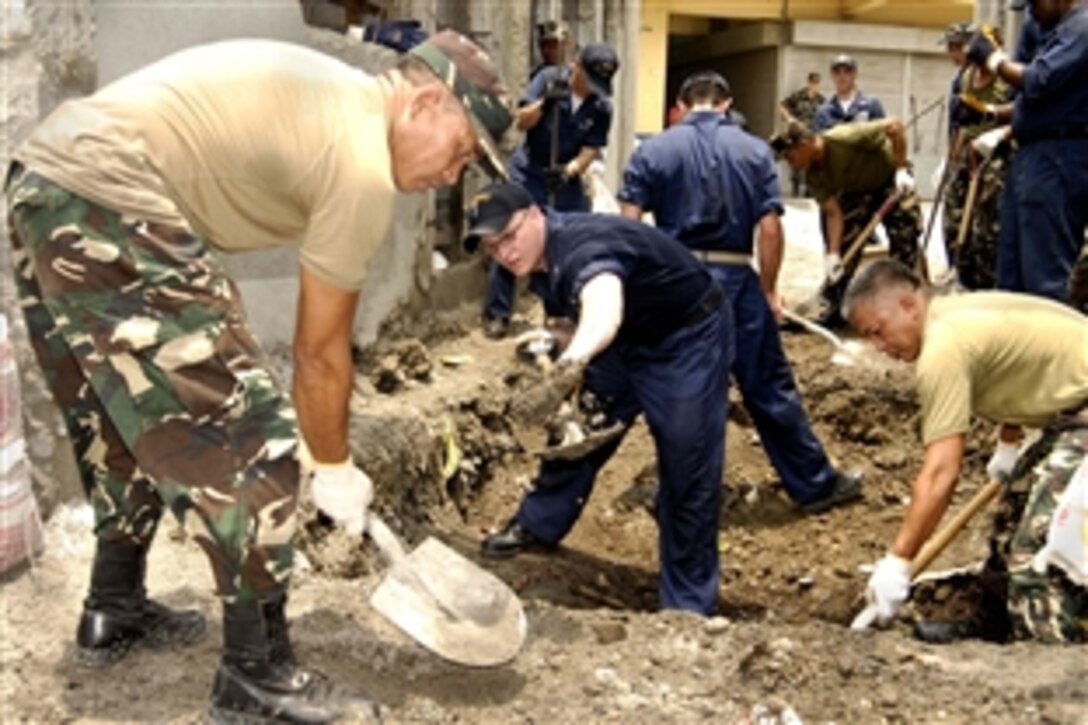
{"x": 936, "y": 545}
{"x": 433, "y": 594}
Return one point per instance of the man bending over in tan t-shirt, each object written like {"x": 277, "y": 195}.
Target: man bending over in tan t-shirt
{"x": 115, "y": 203}
{"x": 1012, "y": 359}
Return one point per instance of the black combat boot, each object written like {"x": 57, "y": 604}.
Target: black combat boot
{"x": 117, "y": 615}
{"x": 258, "y": 680}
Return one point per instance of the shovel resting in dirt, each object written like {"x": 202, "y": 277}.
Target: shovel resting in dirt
{"x": 447, "y": 603}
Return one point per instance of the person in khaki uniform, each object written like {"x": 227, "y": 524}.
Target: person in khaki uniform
{"x": 1013, "y": 359}
{"x": 117, "y": 206}
{"x": 866, "y": 162}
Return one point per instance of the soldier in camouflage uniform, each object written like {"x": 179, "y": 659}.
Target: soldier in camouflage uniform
{"x": 983, "y": 97}
{"x": 853, "y": 169}
{"x": 982, "y": 354}
{"x": 117, "y": 205}
{"x": 801, "y": 106}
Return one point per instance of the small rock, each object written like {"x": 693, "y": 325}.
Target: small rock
{"x": 716, "y": 625}
{"x": 609, "y": 632}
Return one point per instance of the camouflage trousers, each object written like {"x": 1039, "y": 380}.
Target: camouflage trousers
{"x": 1047, "y": 607}
{"x": 903, "y": 224}
{"x": 142, "y": 338}
{"x": 976, "y": 262}
{"x": 1078, "y": 280}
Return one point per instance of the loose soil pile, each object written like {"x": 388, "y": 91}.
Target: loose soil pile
{"x": 448, "y": 462}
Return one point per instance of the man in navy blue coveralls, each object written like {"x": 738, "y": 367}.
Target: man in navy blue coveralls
{"x": 655, "y": 335}
{"x": 578, "y": 97}
{"x": 709, "y": 185}
{"x": 1043, "y": 224}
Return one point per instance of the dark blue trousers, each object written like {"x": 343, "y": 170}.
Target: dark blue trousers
{"x": 767, "y": 387}
{"x": 499, "y": 300}
{"x": 679, "y": 384}
{"x": 1044, "y": 210}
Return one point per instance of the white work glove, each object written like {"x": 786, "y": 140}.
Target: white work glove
{"x": 1003, "y": 460}
{"x": 833, "y": 269}
{"x": 888, "y": 587}
{"x": 343, "y": 493}
{"x": 904, "y": 180}
{"x": 985, "y": 144}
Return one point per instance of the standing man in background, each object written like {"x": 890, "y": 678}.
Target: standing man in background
{"x": 801, "y": 106}
{"x": 1050, "y": 126}
{"x": 566, "y": 115}
{"x": 980, "y": 105}
{"x": 553, "y": 42}
{"x": 732, "y": 191}
{"x": 849, "y": 104}
{"x": 116, "y": 203}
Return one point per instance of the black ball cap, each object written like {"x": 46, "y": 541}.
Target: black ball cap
{"x": 490, "y": 211}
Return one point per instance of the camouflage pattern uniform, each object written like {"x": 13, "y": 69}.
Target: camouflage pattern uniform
{"x": 976, "y": 263}
{"x": 142, "y": 338}
{"x": 803, "y": 107}
{"x": 1046, "y": 607}
{"x": 903, "y": 225}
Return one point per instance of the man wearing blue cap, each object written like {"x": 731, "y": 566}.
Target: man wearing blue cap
{"x": 654, "y": 334}
{"x": 117, "y": 204}
{"x": 1050, "y": 171}
{"x": 849, "y": 104}
{"x": 566, "y": 115}
{"x": 730, "y": 190}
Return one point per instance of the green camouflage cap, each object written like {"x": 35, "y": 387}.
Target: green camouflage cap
{"x": 469, "y": 73}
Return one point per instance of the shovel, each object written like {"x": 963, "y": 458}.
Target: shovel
{"x": 447, "y": 603}
{"x": 936, "y": 545}
{"x": 846, "y": 353}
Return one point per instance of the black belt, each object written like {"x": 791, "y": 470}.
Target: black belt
{"x": 1069, "y": 131}
{"x": 710, "y": 304}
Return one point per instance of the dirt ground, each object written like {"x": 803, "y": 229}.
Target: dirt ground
{"x": 447, "y": 462}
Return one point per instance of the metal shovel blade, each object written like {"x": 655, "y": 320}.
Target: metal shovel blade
{"x": 448, "y": 604}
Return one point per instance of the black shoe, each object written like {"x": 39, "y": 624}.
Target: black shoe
{"x": 989, "y": 629}
{"x": 258, "y": 692}
{"x": 105, "y": 635}
{"x": 257, "y": 683}
{"x": 495, "y": 328}
{"x": 511, "y": 540}
{"x": 847, "y": 488}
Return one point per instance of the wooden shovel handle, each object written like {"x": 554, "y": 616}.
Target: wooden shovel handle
{"x": 942, "y": 538}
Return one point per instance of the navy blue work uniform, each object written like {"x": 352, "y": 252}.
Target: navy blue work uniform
{"x": 586, "y": 126}
{"x": 708, "y": 184}
{"x": 670, "y": 360}
{"x": 1050, "y": 172}
{"x": 862, "y": 108}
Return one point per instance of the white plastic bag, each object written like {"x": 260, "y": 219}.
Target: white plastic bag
{"x": 1067, "y": 538}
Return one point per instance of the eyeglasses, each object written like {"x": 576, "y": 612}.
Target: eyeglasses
{"x": 495, "y": 243}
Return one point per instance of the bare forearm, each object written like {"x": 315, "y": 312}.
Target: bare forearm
{"x": 631, "y": 211}
{"x": 600, "y": 318}
{"x": 577, "y": 165}
{"x": 770, "y": 252}
{"x": 930, "y": 497}
{"x": 833, "y": 217}
{"x": 529, "y": 115}
{"x": 322, "y": 388}
{"x": 1012, "y": 73}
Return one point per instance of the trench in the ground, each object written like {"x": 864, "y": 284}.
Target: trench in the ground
{"x": 775, "y": 562}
